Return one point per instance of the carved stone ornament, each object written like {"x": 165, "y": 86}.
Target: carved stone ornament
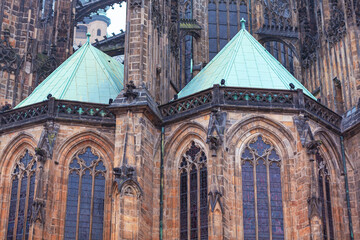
{"x": 314, "y": 205}
{"x": 44, "y": 65}
{"x": 174, "y": 39}
{"x": 216, "y": 128}
{"x": 9, "y": 60}
{"x": 157, "y": 17}
{"x": 47, "y": 140}
{"x": 130, "y": 94}
{"x": 357, "y": 11}
{"x": 308, "y": 50}
{"x": 313, "y": 146}
{"x": 304, "y": 130}
{"x": 336, "y": 29}
{"x": 281, "y": 8}
{"x": 38, "y": 211}
{"x": 215, "y": 197}
{"x": 126, "y": 176}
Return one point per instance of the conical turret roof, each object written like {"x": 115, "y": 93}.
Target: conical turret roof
{"x": 89, "y": 75}
{"x": 243, "y": 62}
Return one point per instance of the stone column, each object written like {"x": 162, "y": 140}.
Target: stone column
{"x": 136, "y": 133}
{"x": 136, "y": 42}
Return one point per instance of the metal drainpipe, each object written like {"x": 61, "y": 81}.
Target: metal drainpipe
{"x": 346, "y": 187}
{"x": 161, "y": 182}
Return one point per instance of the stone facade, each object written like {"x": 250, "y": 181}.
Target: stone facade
{"x": 141, "y": 138}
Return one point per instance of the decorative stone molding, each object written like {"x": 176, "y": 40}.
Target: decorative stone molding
{"x": 216, "y": 129}
{"x": 336, "y": 29}
{"x": 126, "y": 181}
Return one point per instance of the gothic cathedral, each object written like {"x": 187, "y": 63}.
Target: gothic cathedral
{"x": 226, "y": 119}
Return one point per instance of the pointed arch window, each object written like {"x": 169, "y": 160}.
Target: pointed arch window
{"x": 261, "y": 189}
{"x": 85, "y": 196}
{"x": 324, "y": 190}
{"x": 193, "y": 194}
{"x": 22, "y": 196}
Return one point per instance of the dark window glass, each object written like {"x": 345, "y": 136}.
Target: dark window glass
{"x": 72, "y": 205}
{"x": 262, "y": 200}
{"x": 193, "y": 204}
{"x": 183, "y": 205}
{"x": 98, "y": 212}
{"x": 99, "y": 32}
{"x": 86, "y": 185}
{"x": 261, "y": 154}
{"x": 203, "y": 203}
{"x": 325, "y": 198}
{"x": 276, "y": 201}
{"x": 248, "y": 201}
{"x": 244, "y": 13}
{"x": 24, "y": 178}
{"x": 12, "y": 210}
{"x": 193, "y": 188}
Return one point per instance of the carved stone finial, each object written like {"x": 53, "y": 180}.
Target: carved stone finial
{"x": 130, "y": 93}
{"x": 313, "y": 146}
{"x": 125, "y": 176}
{"x": 304, "y": 130}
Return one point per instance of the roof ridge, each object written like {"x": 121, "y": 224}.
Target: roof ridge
{"x": 76, "y": 69}
{"x": 234, "y": 53}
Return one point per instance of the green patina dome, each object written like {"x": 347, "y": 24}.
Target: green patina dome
{"x": 89, "y": 75}
{"x": 243, "y": 62}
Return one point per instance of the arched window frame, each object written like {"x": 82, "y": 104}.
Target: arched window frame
{"x": 21, "y": 199}
{"x": 324, "y": 180}
{"x": 251, "y": 162}
{"x": 79, "y": 167}
{"x": 98, "y": 32}
{"x": 193, "y": 221}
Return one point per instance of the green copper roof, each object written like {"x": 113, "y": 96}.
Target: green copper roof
{"x": 89, "y": 75}
{"x": 243, "y": 62}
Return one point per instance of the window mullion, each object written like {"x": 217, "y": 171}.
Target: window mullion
{"x": 78, "y": 208}
{"x": 255, "y": 197}
{"x": 269, "y": 194}
{"x": 188, "y": 202}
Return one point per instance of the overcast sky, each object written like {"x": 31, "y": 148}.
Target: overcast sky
{"x": 118, "y": 18}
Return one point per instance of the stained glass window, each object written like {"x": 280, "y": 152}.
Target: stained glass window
{"x": 193, "y": 195}
{"x": 85, "y": 197}
{"x": 324, "y": 192}
{"x": 23, "y": 177}
{"x": 261, "y": 190}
